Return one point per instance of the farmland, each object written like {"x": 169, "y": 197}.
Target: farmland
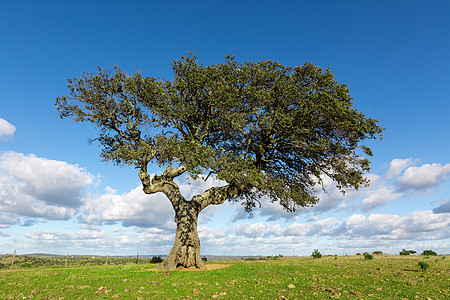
{"x": 330, "y": 277}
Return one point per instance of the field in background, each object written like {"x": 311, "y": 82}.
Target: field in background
{"x": 343, "y": 277}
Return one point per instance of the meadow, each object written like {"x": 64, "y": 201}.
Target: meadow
{"x": 329, "y": 277}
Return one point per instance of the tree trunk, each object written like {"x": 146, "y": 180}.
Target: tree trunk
{"x": 185, "y": 252}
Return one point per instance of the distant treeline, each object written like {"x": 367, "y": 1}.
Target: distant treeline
{"x": 31, "y": 261}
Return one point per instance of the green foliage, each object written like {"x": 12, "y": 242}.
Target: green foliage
{"x": 368, "y": 256}
{"x": 316, "y": 254}
{"x": 405, "y": 252}
{"x": 156, "y": 260}
{"x": 423, "y": 265}
{"x": 429, "y": 253}
{"x": 275, "y": 257}
{"x": 264, "y": 128}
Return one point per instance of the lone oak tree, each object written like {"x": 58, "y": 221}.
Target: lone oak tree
{"x": 264, "y": 129}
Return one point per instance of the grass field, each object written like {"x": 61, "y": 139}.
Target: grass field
{"x": 330, "y": 277}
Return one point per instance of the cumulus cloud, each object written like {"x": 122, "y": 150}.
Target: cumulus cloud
{"x": 397, "y": 165}
{"x": 297, "y": 229}
{"x": 6, "y": 129}
{"x": 418, "y": 225}
{"x": 7, "y": 219}
{"x": 424, "y": 177}
{"x": 423, "y": 225}
{"x": 270, "y": 211}
{"x": 378, "y": 197}
{"x": 36, "y": 187}
{"x": 331, "y": 235}
{"x": 134, "y": 208}
{"x": 260, "y": 229}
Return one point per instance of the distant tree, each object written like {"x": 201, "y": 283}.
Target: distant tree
{"x": 316, "y": 254}
{"x": 405, "y": 252}
{"x": 429, "y": 253}
{"x": 264, "y": 129}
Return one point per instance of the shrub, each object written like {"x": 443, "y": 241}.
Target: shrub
{"x": 429, "y": 252}
{"x": 405, "y": 252}
{"x": 423, "y": 265}
{"x": 156, "y": 260}
{"x": 377, "y": 253}
{"x": 368, "y": 256}
{"x": 316, "y": 254}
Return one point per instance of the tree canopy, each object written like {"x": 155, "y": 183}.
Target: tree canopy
{"x": 269, "y": 130}
{"x": 265, "y": 129}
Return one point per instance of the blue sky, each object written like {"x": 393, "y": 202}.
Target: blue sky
{"x": 57, "y": 196}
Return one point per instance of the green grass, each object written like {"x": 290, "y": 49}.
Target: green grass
{"x": 347, "y": 277}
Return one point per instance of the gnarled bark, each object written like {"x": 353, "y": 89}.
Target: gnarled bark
{"x": 186, "y": 248}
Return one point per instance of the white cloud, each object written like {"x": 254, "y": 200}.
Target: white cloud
{"x": 423, "y": 177}
{"x": 324, "y": 227}
{"x": 297, "y": 229}
{"x": 397, "y": 166}
{"x": 64, "y": 236}
{"x": 134, "y": 208}
{"x": 421, "y": 225}
{"x": 7, "y": 219}
{"x": 378, "y": 197}
{"x": 357, "y": 233}
{"x": 6, "y": 129}
{"x": 36, "y": 187}
{"x": 260, "y": 229}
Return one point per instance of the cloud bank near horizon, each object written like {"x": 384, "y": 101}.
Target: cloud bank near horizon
{"x": 39, "y": 190}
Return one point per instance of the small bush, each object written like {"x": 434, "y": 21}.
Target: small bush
{"x": 156, "y": 260}
{"x": 405, "y": 252}
{"x": 377, "y": 253}
{"x": 423, "y": 265}
{"x": 429, "y": 252}
{"x": 316, "y": 254}
{"x": 368, "y": 256}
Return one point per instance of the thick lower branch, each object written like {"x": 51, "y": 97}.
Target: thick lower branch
{"x": 215, "y": 196}
{"x": 163, "y": 183}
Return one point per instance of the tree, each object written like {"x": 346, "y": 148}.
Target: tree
{"x": 264, "y": 129}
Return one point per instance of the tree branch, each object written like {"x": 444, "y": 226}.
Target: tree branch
{"x": 163, "y": 183}
{"x": 215, "y": 195}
